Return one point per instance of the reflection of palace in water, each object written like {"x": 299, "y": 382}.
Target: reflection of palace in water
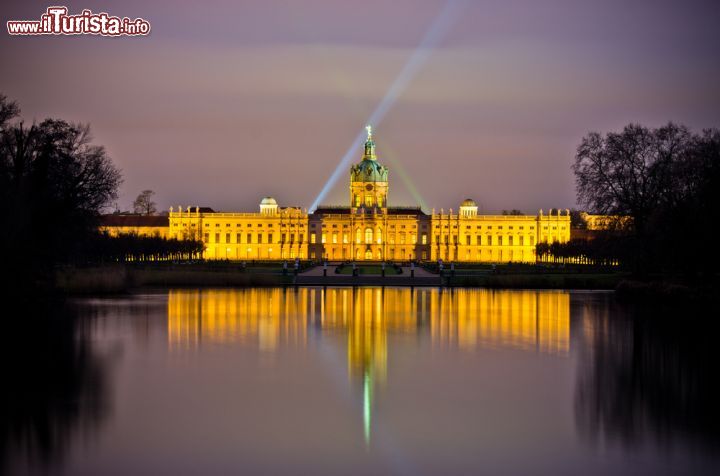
{"x": 463, "y": 319}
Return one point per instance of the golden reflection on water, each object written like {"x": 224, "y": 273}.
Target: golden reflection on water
{"x": 464, "y": 319}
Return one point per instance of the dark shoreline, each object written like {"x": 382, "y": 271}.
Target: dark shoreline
{"x": 123, "y": 278}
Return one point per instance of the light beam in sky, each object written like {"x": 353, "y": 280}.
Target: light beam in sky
{"x": 432, "y": 37}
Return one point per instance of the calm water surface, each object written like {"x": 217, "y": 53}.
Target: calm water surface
{"x": 366, "y": 381}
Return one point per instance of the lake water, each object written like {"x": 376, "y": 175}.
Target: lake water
{"x": 343, "y": 381}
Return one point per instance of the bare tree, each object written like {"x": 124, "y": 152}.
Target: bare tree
{"x": 8, "y": 110}
{"x": 53, "y": 185}
{"x": 666, "y": 180}
{"x": 143, "y": 204}
{"x": 631, "y": 172}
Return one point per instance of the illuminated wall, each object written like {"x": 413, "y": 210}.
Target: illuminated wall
{"x": 280, "y": 234}
{"x": 495, "y": 238}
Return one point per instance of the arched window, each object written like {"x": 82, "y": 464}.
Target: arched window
{"x": 368, "y": 235}
{"x": 380, "y": 201}
{"x": 378, "y": 236}
{"x": 357, "y": 200}
{"x": 368, "y": 200}
{"x": 358, "y": 236}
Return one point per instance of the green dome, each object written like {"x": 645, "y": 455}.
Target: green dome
{"x": 368, "y": 171}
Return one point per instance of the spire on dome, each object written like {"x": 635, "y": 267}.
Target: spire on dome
{"x": 369, "y": 145}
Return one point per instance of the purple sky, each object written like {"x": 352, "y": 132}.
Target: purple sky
{"x": 226, "y": 102}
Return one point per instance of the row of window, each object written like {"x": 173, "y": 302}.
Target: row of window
{"x": 251, "y": 238}
{"x": 391, "y": 227}
{"x": 489, "y": 241}
{"x": 370, "y": 237}
{"x": 249, "y": 225}
{"x": 488, "y": 227}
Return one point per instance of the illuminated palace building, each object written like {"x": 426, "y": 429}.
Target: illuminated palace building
{"x": 367, "y": 229}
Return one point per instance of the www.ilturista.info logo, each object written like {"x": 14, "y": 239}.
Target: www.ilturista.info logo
{"x": 56, "y": 21}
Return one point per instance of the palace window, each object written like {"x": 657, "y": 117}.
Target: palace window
{"x": 510, "y": 240}
{"x": 346, "y": 238}
{"x": 357, "y": 201}
{"x": 522, "y": 241}
{"x": 217, "y": 237}
{"x": 489, "y": 240}
{"x": 368, "y": 235}
{"x": 259, "y": 238}
{"x": 402, "y": 238}
{"x": 270, "y": 237}
{"x": 358, "y": 236}
{"x": 207, "y": 237}
{"x": 368, "y": 200}
{"x": 301, "y": 237}
{"x": 379, "y": 236}
{"x": 237, "y": 238}
{"x": 227, "y": 237}
{"x": 323, "y": 238}
{"x": 478, "y": 240}
{"x": 334, "y": 238}
{"x": 467, "y": 239}
{"x": 424, "y": 238}
{"x": 249, "y": 238}
{"x": 500, "y": 240}
{"x": 413, "y": 238}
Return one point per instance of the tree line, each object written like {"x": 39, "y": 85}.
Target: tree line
{"x": 54, "y": 184}
{"x": 101, "y": 248}
{"x": 667, "y": 180}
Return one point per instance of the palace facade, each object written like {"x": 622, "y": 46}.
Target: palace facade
{"x": 368, "y": 229}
